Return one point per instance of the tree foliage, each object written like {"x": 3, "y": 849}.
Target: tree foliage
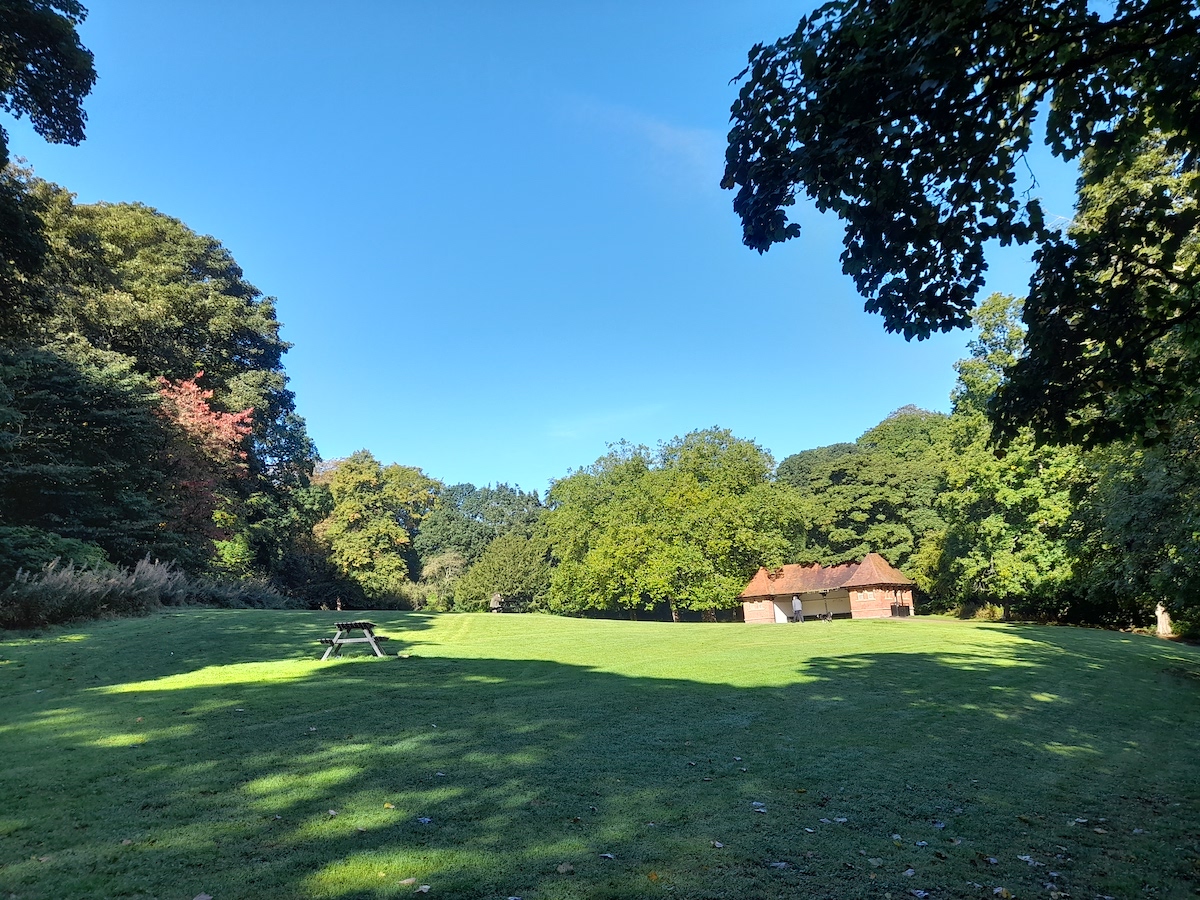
{"x": 467, "y": 519}
{"x": 45, "y": 72}
{"x": 877, "y": 494}
{"x": 515, "y": 565}
{"x": 911, "y": 122}
{"x": 376, "y": 511}
{"x": 1007, "y": 516}
{"x": 683, "y": 528}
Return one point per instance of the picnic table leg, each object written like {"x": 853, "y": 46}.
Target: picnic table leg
{"x": 371, "y": 637}
{"x": 334, "y": 648}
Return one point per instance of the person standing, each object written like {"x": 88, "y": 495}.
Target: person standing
{"x": 797, "y": 609}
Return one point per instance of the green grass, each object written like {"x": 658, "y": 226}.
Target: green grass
{"x": 203, "y": 751}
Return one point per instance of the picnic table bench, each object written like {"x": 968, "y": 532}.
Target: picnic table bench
{"x": 334, "y": 644}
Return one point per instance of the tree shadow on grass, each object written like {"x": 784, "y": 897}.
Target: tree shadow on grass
{"x": 316, "y": 780}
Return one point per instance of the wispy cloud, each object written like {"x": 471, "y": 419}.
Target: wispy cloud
{"x": 604, "y": 424}
{"x": 695, "y": 155}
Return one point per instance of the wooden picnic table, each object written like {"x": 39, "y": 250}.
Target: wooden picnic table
{"x": 344, "y": 629}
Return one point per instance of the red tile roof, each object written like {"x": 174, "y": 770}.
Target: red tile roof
{"x": 871, "y": 572}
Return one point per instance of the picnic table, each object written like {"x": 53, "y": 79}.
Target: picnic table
{"x": 344, "y": 629}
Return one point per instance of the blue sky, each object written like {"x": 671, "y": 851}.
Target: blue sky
{"x": 495, "y": 230}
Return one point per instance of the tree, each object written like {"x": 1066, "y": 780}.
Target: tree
{"x": 376, "y": 512}
{"x": 129, "y": 280}
{"x": 515, "y": 565}
{"x": 81, "y": 453}
{"x": 911, "y": 122}
{"x": 1008, "y": 516}
{"x": 683, "y": 528}
{"x": 205, "y": 457}
{"x": 875, "y": 495}
{"x": 45, "y": 72}
{"x": 467, "y": 519}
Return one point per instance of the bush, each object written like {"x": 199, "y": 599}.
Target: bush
{"x": 63, "y": 592}
{"x": 32, "y": 549}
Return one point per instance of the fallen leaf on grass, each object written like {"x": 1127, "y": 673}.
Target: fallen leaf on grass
{"x": 565, "y": 868}
{"x": 1029, "y": 860}
{"x": 1002, "y": 893}
{"x": 921, "y": 894}
{"x": 423, "y": 889}
{"x": 389, "y": 806}
{"x": 841, "y": 819}
{"x": 408, "y": 881}
{"x": 757, "y": 803}
{"x": 909, "y": 873}
{"x": 360, "y": 829}
{"x": 607, "y": 856}
{"x": 810, "y": 831}
{"x": 875, "y": 861}
{"x": 202, "y": 896}
{"x": 939, "y": 825}
{"x": 424, "y": 820}
{"x": 43, "y": 859}
{"x": 717, "y": 844}
{"x": 333, "y": 812}
{"x": 825, "y": 821}
{"x": 1100, "y": 830}
{"x": 653, "y": 876}
{"x": 126, "y": 842}
{"x": 922, "y": 843}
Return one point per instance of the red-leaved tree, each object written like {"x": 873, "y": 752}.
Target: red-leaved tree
{"x": 205, "y": 455}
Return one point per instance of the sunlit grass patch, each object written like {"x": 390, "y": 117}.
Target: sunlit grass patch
{"x": 225, "y": 758}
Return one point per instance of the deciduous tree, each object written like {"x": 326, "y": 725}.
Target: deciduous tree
{"x": 911, "y": 122}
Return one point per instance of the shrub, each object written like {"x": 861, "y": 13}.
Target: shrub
{"x": 63, "y": 592}
{"x": 25, "y": 547}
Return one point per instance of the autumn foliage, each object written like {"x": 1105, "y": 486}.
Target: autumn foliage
{"x": 206, "y": 453}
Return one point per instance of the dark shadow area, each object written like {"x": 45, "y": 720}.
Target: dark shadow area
{"x": 519, "y": 766}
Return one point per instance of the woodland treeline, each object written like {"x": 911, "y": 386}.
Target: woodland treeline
{"x": 145, "y": 413}
{"x": 150, "y": 449}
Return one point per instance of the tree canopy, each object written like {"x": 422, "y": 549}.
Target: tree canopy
{"x": 684, "y": 528}
{"x": 911, "y": 122}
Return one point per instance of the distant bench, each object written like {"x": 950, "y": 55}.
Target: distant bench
{"x": 334, "y": 644}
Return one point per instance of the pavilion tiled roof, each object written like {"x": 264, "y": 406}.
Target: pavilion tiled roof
{"x": 873, "y": 571}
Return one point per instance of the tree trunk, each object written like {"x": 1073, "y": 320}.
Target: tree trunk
{"x": 709, "y": 616}
{"x": 674, "y": 613}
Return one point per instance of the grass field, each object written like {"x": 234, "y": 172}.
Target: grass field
{"x": 503, "y": 756}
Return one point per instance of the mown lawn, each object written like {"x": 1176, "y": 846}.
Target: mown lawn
{"x": 505, "y": 756}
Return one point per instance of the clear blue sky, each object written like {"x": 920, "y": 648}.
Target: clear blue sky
{"x": 495, "y": 230}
